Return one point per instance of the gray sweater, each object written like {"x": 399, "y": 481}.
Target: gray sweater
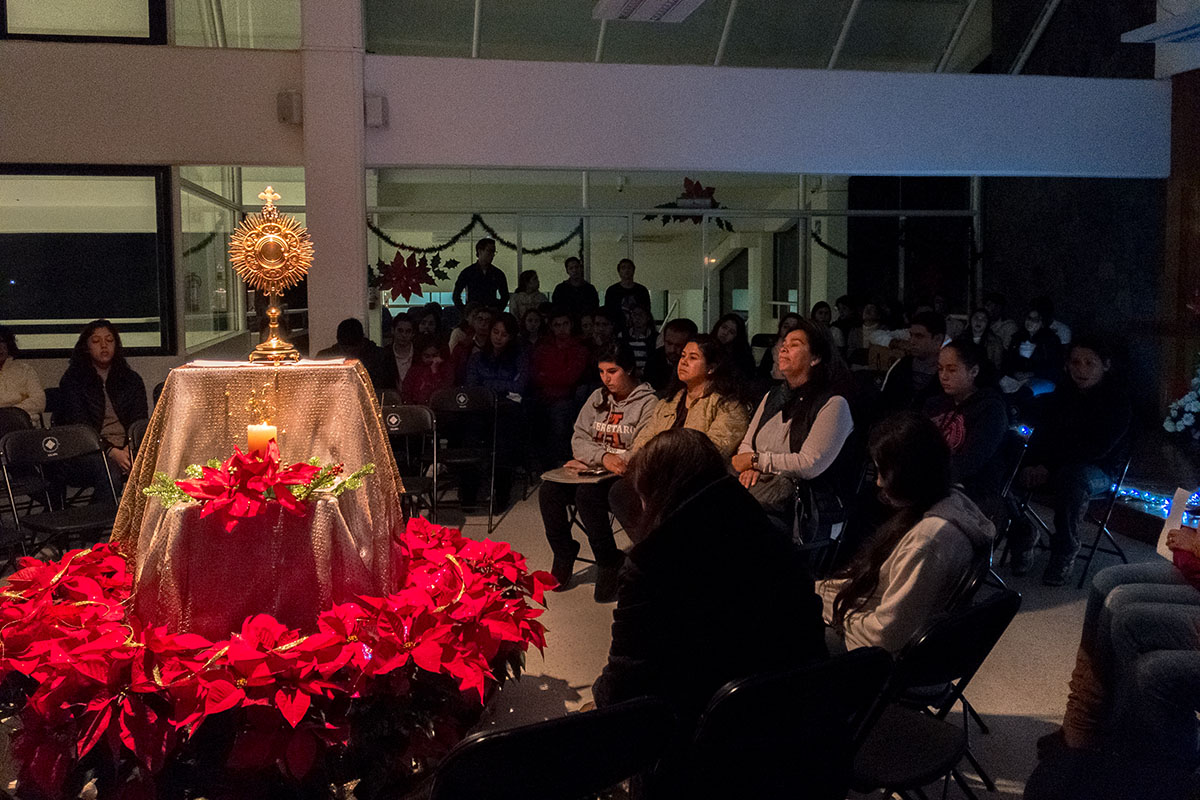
{"x": 614, "y": 429}
{"x": 918, "y": 578}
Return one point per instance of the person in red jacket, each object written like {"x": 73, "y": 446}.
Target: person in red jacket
{"x": 432, "y": 371}
{"x": 559, "y": 362}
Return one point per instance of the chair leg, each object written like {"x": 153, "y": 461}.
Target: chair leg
{"x": 983, "y": 728}
{"x": 966, "y": 787}
{"x": 980, "y": 771}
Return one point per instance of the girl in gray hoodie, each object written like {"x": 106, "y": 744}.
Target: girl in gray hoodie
{"x": 605, "y": 431}
{"x": 921, "y": 557}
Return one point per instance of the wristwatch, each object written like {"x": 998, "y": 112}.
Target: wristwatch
{"x": 754, "y": 460}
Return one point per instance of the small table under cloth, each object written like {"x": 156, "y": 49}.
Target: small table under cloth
{"x": 343, "y": 547}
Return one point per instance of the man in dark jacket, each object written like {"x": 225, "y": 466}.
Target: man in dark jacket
{"x": 575, "y": 295}
{"x": 1079, "y": 445}
{"x": 912, "y": 380}
{"x": 483, "y": 282}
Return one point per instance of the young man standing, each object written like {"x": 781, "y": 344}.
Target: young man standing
{"x": 483, "y": 282}
{"x": 626, "y": 294}
{"x": 575, "y": 295}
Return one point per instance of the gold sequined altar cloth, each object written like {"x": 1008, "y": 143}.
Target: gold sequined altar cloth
{"x": 326, "y": 410}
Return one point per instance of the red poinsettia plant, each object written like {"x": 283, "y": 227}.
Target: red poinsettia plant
{"x": 374, "y": 695}
{"x": 245, "y": 483}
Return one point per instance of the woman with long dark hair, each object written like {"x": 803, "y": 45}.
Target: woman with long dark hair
{"x": 101, "y": 390}
{"x": 730, "y": 331}
{"x": 501, "y": 365}
{"x": 910, "y": 568}
{"x": 702, "y": 530}
{"x": 800, "y": 429}
{"x": 706, "y": 397}
{"x": 973, "y": 420}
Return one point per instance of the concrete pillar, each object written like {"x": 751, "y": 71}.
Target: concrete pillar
{"x": 334, "y": 173}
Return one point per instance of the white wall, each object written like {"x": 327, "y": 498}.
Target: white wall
{"x": 130, "y": 104}
{"x": 613, "y": 116}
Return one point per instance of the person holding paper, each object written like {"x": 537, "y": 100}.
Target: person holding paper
{"x": 1137, "y": 671}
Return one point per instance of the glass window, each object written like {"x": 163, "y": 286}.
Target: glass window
{"x": 76, "y": 247}
{"x": 251, "y": 24}
{"x": 900, "y": 35}
{"x": 135, "y": 21}
{"x": 800, "y": 35}
{"x": 212, "y": 291}
{"x": 441, "y": 28}
{"x": 692, "y": 41}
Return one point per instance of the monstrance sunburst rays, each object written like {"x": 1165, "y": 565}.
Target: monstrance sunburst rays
{"x": 271, "y": 252}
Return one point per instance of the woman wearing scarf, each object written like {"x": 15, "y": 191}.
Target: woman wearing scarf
{"x": 799, "y": 429}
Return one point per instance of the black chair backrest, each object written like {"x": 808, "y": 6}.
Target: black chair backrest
{"x": 14, "y": 419}
{"x": 788, "y": 734}
{"x": 464, "y": 399}
{"x": 137, "y": 435}
{"x": 763, "y": 340}
{"x": 158, "y": 390}
{"x": 570, "y": 757}
{"x": 953, "y": 646}
{"x": 59, "y": 443}
{"x": 407, "y": 420}
{"x": 390, "y": 397}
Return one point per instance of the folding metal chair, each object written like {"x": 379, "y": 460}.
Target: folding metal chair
{"x": 903, "y": 748}
{"x": 467, "y": 414}
{"x": 1088, "y": 552}
{"x": 35, "y": 449}
{"x": 404, "y": 423}
{"x": 25, "y": 485}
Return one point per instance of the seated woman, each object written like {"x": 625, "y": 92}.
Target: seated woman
{"x": 973, "y": 422}
{"x": 605, "y": 430}
{"x": 101, "y": 390}
{"x": 730, "y": 332}
{"x": 799, "y": 429}
{"x": 822, "y": 314}
{"x": 1079, "y": 444}
{"x": 431, "y": 372}
{"x": 1034, "y": 357}
{"x": 681, "y": 552}
{"x": 1138, "y": 664}
{"x": 501, "y": 365}
{"x": 979, "y": 332}
{"x": 707, "y": 399}
{"x": 19, "y": 384}
{"x": 913, "y": 564}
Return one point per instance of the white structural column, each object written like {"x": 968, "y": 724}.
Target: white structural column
{"x": 334, "y": 176}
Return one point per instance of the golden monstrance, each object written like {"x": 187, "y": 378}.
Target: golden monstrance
{"x": 271, "y": 252}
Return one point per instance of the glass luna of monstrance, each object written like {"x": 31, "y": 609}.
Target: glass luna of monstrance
{"x": 271, "y": 252}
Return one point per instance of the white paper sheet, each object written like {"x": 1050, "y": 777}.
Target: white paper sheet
{"x": 1174, "y": 520}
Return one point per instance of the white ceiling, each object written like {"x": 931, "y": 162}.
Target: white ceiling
{"x": 888, "y": 35}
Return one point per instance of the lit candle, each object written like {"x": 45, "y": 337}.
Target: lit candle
{"x": 259, "y": 436}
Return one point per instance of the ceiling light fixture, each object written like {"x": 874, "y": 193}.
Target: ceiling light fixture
{"x": 646, "y": 10}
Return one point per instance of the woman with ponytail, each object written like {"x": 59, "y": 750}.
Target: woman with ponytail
{"x": 909, "y": 570}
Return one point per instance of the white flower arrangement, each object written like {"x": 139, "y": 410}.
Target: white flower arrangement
{"x": 1182, "y": 414}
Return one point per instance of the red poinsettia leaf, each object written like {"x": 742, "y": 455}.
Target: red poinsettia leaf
{"x": 221, "y": 695}
{"x": 292, "y": 704}
{"x": 411, "y": 261}
{"x": 99, "y": 721}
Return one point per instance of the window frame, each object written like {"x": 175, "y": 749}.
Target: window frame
{"x": 164, "y": 216}
{"x": 157, "y": 12}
